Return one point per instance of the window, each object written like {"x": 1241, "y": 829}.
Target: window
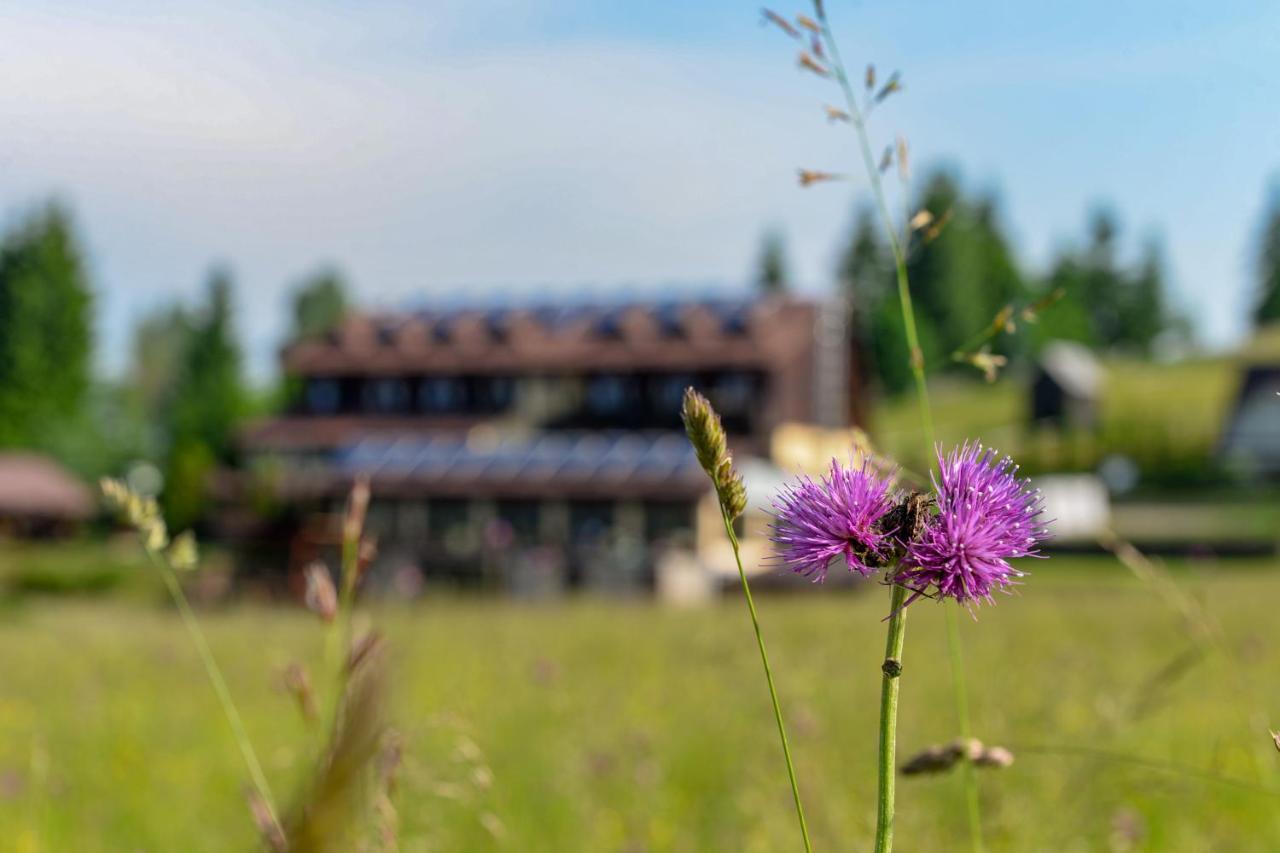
{"x": 668, "y": 391}
{"x": 323, "y": 396}
{"x": 440, "y": 394}
{"x": 386, "y": 396}
{"x": 606, "y": 395}
{"x": 733, "y": 392}
{"x": 495, "y": 393}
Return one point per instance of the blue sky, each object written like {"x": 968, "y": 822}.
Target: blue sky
{"x": 449, "y": 149}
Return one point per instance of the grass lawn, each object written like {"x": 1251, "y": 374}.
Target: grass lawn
{"x": 1158, "y": 414}
{"x": 612, "y": 726}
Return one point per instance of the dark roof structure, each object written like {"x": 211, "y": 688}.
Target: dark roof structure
{"x": 716, "y": 333}
{"x": 33, "y": 486}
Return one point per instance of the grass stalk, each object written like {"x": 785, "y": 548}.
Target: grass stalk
{"x": 768, "y": 677}
{"x": 891, "y": 676}
{"x": 858, "y": 120}
{"x": 214, "y": 672}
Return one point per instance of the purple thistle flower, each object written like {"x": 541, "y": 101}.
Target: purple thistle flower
{"x": 986, "y": 516}
{"x": 837, "y": 516}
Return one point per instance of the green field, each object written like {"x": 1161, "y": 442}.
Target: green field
{"x": 613, "y": 726}
{"x": 1168, "y": 418}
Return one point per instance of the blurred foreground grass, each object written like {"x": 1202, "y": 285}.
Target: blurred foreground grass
{"x": 611, "y": 726}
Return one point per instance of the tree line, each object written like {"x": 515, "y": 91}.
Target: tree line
{"x": 184, "y": 393}
{"x": 965, "y": 278}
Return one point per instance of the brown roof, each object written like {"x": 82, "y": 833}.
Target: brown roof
{"x": 675, "y": 336}
{"x": 35, "y": 486}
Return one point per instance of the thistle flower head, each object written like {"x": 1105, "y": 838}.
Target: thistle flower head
{"x": 836, "y": 516}
{"x": 986, "y": 516}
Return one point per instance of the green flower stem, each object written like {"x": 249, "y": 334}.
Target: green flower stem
{"x": 857, "y": 119}
{"x": 214, "y": 672}
{"x": 891, "y": 676}
{"x": 768, "y": 677}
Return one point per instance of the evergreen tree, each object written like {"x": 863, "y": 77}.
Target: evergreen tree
{"x": 1105, "y": 304}
{"x": 962, "y": 274}
{"x": 45, "y": 328}
{"x": 773, "y": 277}
{"x": 319, "y": 301}
{"x": 205, "y": 405}
{"x": 1267, "y": 264}
{"x": 1145, "y": 312}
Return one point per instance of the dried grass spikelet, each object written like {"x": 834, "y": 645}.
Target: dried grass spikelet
{"x": 1003, "y": 322}
{"x": 922, "y": 219}
{"x": 808, "y": 63}
{"x": 1032, "y": 312}
{"x": 886, "y": 159}
{"x": 942, "y": 757}
{"x": 993, "y": 756}
{"x": 357, "y": 508}
{"x": 270, "y": 831}
{"x": 809, "y": 177}
{"x": 835, "y": 113}
{"x": 893, "y": 84}
{"x": 870, "y": 77}
{"x": 904, "y": 159}
{"x": 338, "y": 794}
{"x": 934, "y": 231}
{"x": 772, "y": 17}
{"x": 298, "y": 683}
{"x": 809, "y": 24}
{"x": 986, "y": 361}
{"x": 815, "y": 45}
{"x": 321, "y": 597}
{"x": 386, "y": 818}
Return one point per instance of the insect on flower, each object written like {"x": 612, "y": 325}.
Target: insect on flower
{"x": 986, "y": 516}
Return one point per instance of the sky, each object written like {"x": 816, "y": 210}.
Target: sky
{"x": 461, "y": 150}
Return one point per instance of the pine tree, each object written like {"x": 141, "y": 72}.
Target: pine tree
{"x": 319, "y": 301}
{"x": 45, "y": 328}
{"x": 1267, "y": 265}
{"x": 206, "y": 404}
{"x": 773, "y": 276}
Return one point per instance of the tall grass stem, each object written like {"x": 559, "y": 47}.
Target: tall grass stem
{"x": 768, "y": 677}
{"x": 891, "y": 676}
{"x": 214, "y": 672}
{"x": 857, "y": 119}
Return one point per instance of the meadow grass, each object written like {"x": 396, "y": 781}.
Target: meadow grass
{"x": 593, "y": 725}
{"x": 1159, "y": 414}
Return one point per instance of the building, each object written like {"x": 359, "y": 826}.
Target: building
{"x": 1067, "y": 386}
{"x": 38, "y": 497}
{"x": 540, "y": 448}
{"x": 1250, "y": 443}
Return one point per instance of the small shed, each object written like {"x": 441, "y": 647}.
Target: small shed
{"x": 1067, "y": 386}
{"x": 1251, "y": 440}
{"x": 39, "y": 497}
